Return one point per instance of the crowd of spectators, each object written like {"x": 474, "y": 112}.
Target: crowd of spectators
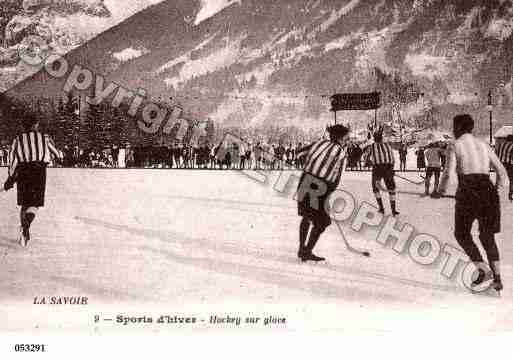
{"x": 185, "y": 156}
{"x": 258, "y": 156}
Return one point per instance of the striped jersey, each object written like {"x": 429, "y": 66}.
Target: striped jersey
{"x": 469, "y": 155}
{"x": 324, "y": 159}
{"x": 31, "y": 146}
{"x": 505, "y": 152}
{"x": 379, "y": 153}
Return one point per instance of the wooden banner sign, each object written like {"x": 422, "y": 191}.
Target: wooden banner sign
{"x": 355, "y": 101}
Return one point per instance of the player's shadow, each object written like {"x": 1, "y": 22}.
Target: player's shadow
{"x": 216, "y": 201}
{"x": 276, "y": 276}
{"x": 223, "y": 248}
{"x": 85, "y": 286}
{"x": 8, "y": 243}
{"x": 247, "y": 210}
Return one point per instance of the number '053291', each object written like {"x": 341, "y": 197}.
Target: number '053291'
{"x": 30, "y": 348}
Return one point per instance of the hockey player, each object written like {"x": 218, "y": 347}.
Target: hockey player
{"x": 381, "y": 157}
{"x": 30, "y": 153}
{"x": 505, "y": 154}
{"x": 477, "y": 198}
{"x": 323, "y": 165}
{"x": 434, "y": 163}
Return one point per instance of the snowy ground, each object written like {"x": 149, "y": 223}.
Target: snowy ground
{"x": 202, "y": 243}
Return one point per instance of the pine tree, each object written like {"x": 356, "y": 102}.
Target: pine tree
{"x": 66, "y": 122}
{"x": 210, "y": 130}
{"x": 91, "y": 126}
{"x": 59, "y": 127}
{"x": 119, "y": 127}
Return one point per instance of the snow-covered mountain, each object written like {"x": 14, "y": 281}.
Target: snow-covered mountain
{"x": 62, "y": 24}
{"x": 253, "y": 62}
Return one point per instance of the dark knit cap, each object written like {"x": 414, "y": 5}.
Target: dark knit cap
{"x": 338, "y": 131}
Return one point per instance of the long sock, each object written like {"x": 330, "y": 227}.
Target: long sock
{"x": 492, "y": 251}
{"x": 315, "y": 234}
{"x": 303, "y": 233}
{"x": 496, "y": 268}
{"x": 393, "y": 206}
{"x": 497, "y": 274}
{"x": 23, "y": 216}
{"x": 380, "y": 203}
{"x": 437, "y": 184}
{"x": 29, "y": 218}
{"x": 393, "y": 203}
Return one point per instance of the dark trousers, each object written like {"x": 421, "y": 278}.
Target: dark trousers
{"x": 312, "y": 198}
{"x": 477, "y": 199}
{"x": 430, "y": 172}
{"x": 385, "y": 172}
{"x": 402, "y": 165}
{"x": 31, "y": 184}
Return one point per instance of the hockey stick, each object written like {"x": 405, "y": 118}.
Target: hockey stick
{"x": 348, "y": 245}
{"x": 448, "y": 196}
{"x": 409, "y": 180}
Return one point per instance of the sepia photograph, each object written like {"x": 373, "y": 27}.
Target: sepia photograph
{"x": 210, "y": 167}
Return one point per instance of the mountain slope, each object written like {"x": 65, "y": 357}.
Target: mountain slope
{"x": 61, "y": 25}
{"x": 257, "y": 62}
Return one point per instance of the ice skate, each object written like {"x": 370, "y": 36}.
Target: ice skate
{"x": 393, "y": 208}
{"x": 497, "y": 284}
{"x": 478, "y": 283}
{"x": 301, "y": 252}
{"x": 312, "y": 257}
{"x": 436, "y": 195}
{"x": 24, "y": 236}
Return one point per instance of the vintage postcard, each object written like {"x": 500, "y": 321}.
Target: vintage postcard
{"x": 249, "y": 166}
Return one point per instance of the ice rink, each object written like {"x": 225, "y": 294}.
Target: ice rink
{"x": 205, "y": 243}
